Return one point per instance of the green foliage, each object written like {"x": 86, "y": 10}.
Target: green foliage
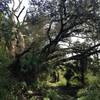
{"x": 30, "y": 62}
{"x": 92, "y": 79}
{"x": 5, "y": 82}
{"x": 92, "y": 92}
{"x": 53, "y": 95}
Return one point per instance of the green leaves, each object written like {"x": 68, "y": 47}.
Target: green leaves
{"x": 90, "y": 93}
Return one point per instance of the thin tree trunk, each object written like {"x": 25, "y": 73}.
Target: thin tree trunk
{"x": 83, "y": 66}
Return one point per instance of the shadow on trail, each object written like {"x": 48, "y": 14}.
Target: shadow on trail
{"x": 65, "y": 91}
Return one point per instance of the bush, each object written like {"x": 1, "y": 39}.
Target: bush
{"x": 53, "y": 95}
{"x": 92, "y": 92}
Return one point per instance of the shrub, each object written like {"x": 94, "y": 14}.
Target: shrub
{"x": 92, "y": 92}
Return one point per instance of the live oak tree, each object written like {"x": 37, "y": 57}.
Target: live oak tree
{"x": 64, "y": 20}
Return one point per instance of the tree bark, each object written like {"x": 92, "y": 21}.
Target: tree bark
{"x": 83, "y": 66}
